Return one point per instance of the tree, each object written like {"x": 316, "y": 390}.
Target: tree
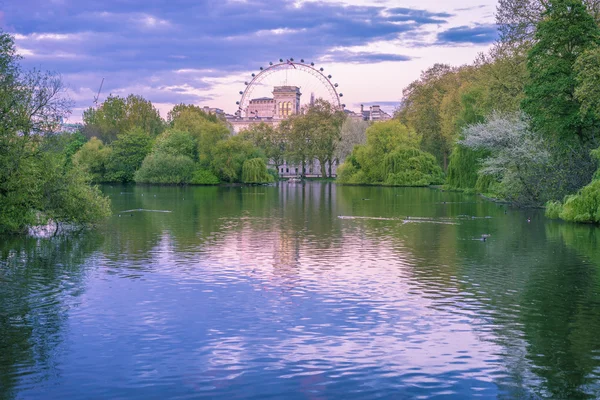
{"x": 229, "y": 156}
{"x": 390, "y": 156}
{"x": 128, "y": 153}
{"x": 176, "y": 111}
{"x": 165, "y": 168}
{"x": 176, "y": 143}
{"x": 33, "y": 174}
{"x": 325, "y": 124}
{"x": 119, "y": 115}
{"x": 421, "y": 109}
{"x": 92, "y": 158}
{"x": 300, "y": 147}
{"x": 567, "y": 32}
{"x": 270, "y": 140}
{"x": 587, "y": 92}
{"x": 518, "y": 19}
{"x": 353, "y": 133}
{"x": 206, "y": 130}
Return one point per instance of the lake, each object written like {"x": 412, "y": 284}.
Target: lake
{"x": 311, "y": 291}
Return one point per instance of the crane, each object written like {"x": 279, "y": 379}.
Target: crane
{"x": 98, "y": 95}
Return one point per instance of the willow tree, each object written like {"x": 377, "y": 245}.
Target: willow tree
{"x": 268, "y": 139}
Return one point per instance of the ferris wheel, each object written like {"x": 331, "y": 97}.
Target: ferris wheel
{"x": 312, "y": 82}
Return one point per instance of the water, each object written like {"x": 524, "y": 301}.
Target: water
{"x": 303, "y": 292}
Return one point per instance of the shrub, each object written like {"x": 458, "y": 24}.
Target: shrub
{"x": 583, "y": 206}
{"x": 229, "y": 155}
{"x": 92, "y": 158}
{"x": 128, "y": 153}
{"x": 553, "y": 209}
{"x": 204, "y": 177}
{"x": 165, "y": 168}
{"x": 254, "y": 170}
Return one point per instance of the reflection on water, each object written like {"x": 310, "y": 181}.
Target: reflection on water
{"x": 303, "y": 292}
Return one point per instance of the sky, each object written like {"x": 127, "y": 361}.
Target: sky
{"x": 202, "y": 51}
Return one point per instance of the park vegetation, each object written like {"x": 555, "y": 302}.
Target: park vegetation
{"x": 38, "y": 180}
{"x": 520, "y": 123}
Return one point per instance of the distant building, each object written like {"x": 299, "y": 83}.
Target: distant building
{"x": 374, "y": 113}
{"x": 70, "y": 128}
{"x": 216, "y": 111}
{"x": 272, "y": 110}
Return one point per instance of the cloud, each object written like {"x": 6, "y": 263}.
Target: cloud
{"x": 478, "y": 34}
{"x": 362, "y": 57}
{"x": 136, "y": 44}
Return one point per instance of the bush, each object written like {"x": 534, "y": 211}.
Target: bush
{"x": 274, "y": 173}
{"x": 254, "y": 170}
{"x": 583, "y": 206}
{"x": 229, "y": 155}
{"x": 128, "y": 153}
{"x": 92, "y": 158}
{"x": 204, "y": 177}
{"x": 165, "y": 168}
{"x": 553, "y": 209}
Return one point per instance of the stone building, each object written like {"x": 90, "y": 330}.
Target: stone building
{"x": 374, "y": 113}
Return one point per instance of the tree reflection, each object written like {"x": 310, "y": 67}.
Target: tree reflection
{"x": 36, "y": 277}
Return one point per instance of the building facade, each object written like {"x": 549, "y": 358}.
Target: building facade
{"x": 285, "y": 103}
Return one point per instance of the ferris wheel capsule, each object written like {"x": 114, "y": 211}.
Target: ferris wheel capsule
{"x": 291, "y": 59}
{"x": 281, "y": 60}
{"x": 341, "y": 94}
{"x": 241, "y": 92}
{"x": 270, "y": 62}
{"x": 253, "y": 75}
{"x": 302, "y": 60}
{"x": 321, "y": 69}
{"x": 329, "y": 76}
{"x": 237, "y": 102}
{"x": 312, "y": 64}
{"x": 261, "y": 68}
{"x": 336, "y": 85}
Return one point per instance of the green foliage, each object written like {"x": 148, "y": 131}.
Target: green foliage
{"x": 164, "y": 168}
{"x": 92, "y": 158}
{"x": 126, "y": 156}
{"x": 270, "y": 140}
{"x": 553, "y": 209}
{"x": 119, "y": 115}
{"x": 254, "y": 170}
{"x": 229, "y": 155}
{"x": 411, "y": 167}
{"x": 566, "y": 32}
{"x": 596, "y": 155}
{"x": 583, "y": 206}
{"x": 204, "y": 177}
{"x": 176, "y": 142}
{"x": 68, "y": 197}
{"x": 390, "y": 157}
{"x": 74, "y": 143}
{"x": 464, "y": 167}
{"x": 178, "y": 109}
{"x": 206, "y": 129}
